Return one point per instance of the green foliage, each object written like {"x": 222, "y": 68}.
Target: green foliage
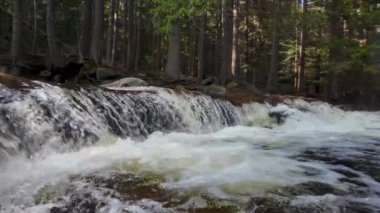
{"x": 167, "y": 12}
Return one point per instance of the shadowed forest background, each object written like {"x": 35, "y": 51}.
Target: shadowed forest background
{"x": 325, "y": 49}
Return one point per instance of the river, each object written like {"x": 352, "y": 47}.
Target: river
{"x": 154, "y": 150}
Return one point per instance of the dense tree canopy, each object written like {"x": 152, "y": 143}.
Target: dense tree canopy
{"x": 318, "y": 47}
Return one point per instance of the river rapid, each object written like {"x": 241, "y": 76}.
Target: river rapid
{"x": 154, "y": 150}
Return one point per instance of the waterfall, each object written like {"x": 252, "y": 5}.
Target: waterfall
{"x": 51, "y": 116}
{"x": 83, "y": 143}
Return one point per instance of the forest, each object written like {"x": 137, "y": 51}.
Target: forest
{"x": 319, "y": 48}
{"x": 259, "y": 106}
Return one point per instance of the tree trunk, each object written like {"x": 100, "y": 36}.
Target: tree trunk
{"x": 137, "y": 43}
{"x": 248, "y": 58}
{"x": 35, "y": 27}
{"x": 301, "y": 74}
{"x": 51, "y": 36}
{"x": 273, "y": 69}
{"x": 131, "y": 55}
{"x": 227, "y": 42}
{"x": 110, "y": 33}
{"x": 86, "y": 33}
{"x": 201, "y": 42}
{"x": 97, "y": 41}
{"x": 235, "y": 43}
{"x": 336, "y": 33}
{"x": 193, "y": 48}
{"x": 114, "y": 33}
{"x": 173, "y": 66}
{"x": 16, "y": 45}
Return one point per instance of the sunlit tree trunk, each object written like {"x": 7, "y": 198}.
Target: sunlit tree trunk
{"x": 301, "y": 74}
{"x": 235, "y": 42}
{"x": 227, "y": 42}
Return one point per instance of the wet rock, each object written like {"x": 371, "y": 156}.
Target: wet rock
{"x": 279, "y": 116}
{"x": 126, "y": 82}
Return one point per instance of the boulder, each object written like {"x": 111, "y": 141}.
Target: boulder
{"x": 127, "y": 82}
{"x": 215, "y": 90}
{"x": 103, "y": 74}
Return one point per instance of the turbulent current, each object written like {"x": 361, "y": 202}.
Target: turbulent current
{"x": 150, "y": 149}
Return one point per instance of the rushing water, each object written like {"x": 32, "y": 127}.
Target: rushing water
{"x": 52, "y": 136}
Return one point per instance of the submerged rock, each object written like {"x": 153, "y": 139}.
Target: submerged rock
{"x": 123, "y": 192}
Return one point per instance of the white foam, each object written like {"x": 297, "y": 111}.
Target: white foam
{"x": 234, "y": 160}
